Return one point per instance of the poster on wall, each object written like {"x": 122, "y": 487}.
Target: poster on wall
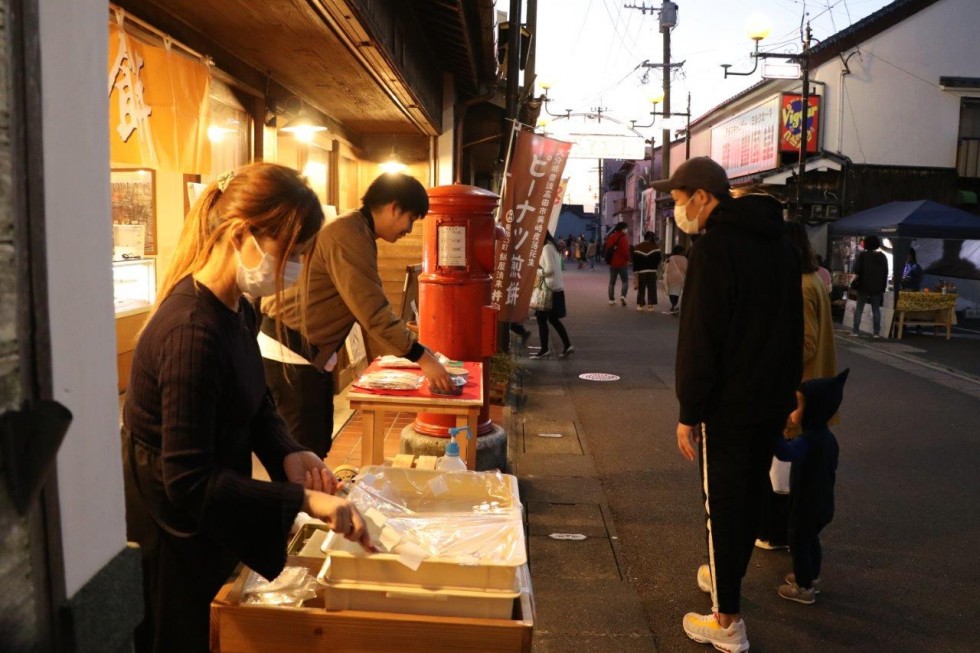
{"x": 134, "y": 203}
{"x": 791, "y": 119}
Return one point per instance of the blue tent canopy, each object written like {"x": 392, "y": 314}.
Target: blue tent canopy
{"x": 919, "y": 219}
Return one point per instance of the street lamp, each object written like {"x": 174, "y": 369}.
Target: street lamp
{"x": 757, "y": 32}
{"x": 546, "y": 100}
{"x": 667, "y": 116}
{"x": 758, "y": 28}
{"x": 654, "y": 113}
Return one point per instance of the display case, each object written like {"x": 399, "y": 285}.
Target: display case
{"x": 134, "y": 285}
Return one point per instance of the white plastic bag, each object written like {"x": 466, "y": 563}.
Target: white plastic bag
{"x": 779, "y": 476}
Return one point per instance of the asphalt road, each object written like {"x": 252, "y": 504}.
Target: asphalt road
{"x": 900, "y": 559}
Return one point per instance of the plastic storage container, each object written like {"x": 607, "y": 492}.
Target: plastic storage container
{"x": 469, "y": 529}
{"x": 407, "y": 599}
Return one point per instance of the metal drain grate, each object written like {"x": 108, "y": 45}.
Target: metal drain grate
{"x": 598, "y": 376}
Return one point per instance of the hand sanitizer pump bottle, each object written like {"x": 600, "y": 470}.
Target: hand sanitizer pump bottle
{"x": 451, "y": 462}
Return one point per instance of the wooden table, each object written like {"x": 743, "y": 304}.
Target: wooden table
{"x": 925, "y": 309}
{"x": 373, "y": 405}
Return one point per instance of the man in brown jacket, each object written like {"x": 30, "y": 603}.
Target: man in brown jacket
{"x": 343, "y": 287}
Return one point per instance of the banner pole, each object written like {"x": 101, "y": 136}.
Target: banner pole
{"x": 510, "y": 149}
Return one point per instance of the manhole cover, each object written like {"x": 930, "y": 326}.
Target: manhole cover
{"x": 598, "y": 376}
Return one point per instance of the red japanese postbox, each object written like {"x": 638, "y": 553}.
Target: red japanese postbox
{"x": 454, "y": 288}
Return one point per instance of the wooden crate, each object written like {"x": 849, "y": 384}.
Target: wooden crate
{"x": 253, "y": 629}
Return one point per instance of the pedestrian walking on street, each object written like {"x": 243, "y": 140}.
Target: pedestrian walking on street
{"x": 646, "y": 260}
{"x": 617, "y": 253}
{"x": 814, "y": 457}
{"x": 738, "y": 366}
{"x": 870, "y": 283}
{"x": 548, "y": 300}
{"x": 675, "y": 270}
{"x": 590, "y": 253}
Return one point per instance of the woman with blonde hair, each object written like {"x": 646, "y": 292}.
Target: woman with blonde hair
{"x": 197, "y": 407}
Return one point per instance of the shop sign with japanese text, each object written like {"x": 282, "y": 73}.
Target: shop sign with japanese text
{"x": 791, "y": 118}
{"x": 746, "y": 143}
{"x": 531, "y": 189}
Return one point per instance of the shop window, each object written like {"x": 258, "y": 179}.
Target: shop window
{"x": 968, "y": 148}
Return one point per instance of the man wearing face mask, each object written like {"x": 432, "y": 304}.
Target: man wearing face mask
{"x": 342, "y": 287}
{"x": 739, "y": 353}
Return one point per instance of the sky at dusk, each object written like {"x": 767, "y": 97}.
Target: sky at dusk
{"x": 590, "y": 50}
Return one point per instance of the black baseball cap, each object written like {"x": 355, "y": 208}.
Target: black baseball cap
{"x": 699, "y": 172}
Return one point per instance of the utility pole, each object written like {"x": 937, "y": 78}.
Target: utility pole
{"x": 805, "y": 116}
{"x": 668, "y": 20}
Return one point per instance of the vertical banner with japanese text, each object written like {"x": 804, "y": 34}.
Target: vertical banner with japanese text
{"x": 532, "y": 185}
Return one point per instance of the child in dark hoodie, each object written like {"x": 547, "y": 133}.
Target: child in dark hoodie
{"x": 814, "y": 456}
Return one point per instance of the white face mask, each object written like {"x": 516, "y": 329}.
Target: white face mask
{"x": 688, "y": 225}
{"x": 260, "y": 281}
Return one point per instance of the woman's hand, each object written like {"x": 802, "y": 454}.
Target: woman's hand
{"x": 309, "y": 470}
{"x": 434, "y": 371}
{"x": 340, "y": 515}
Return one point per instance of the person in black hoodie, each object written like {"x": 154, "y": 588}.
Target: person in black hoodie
{"x": 739, "y": 362}
{"x": 814, "y": 456}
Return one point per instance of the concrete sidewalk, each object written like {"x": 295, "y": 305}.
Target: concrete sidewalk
{"x": 599, "y": 460}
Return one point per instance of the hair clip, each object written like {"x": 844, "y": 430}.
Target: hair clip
{"x": 224, "y": 180}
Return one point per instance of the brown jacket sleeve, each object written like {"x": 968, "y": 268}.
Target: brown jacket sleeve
{"x": 351, "y": 259}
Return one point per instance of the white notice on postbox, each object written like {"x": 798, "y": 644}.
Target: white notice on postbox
{"x": 452, "y": 246}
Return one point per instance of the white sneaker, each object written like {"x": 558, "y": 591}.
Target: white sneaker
{"x": 622, "y": 300}
{"x": 650, "y": 308}
{"x": 638, "y": 306}
{"x": 705, "y": 629}
{"x": 704, "y": 578}
{"x": 612, "y": 302}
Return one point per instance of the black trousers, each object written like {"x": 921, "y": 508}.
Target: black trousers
{"x": 774, "y": 520}
{"x": 804, "y": 543}
{"x": 304, "y": 397}
{"x": 646, "y": 288}
{"x": 550, "y": 317}
{"x": 735, "y": 480}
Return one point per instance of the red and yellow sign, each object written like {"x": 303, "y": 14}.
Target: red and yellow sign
{"x": 791, "y": 120}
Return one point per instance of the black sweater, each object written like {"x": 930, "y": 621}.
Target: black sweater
{"x": 197, "y": 407}
{"x": 646, "y": 257}
{"x": 740, "y": 339}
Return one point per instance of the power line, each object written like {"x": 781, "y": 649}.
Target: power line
{"x": 585, "y": 19}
